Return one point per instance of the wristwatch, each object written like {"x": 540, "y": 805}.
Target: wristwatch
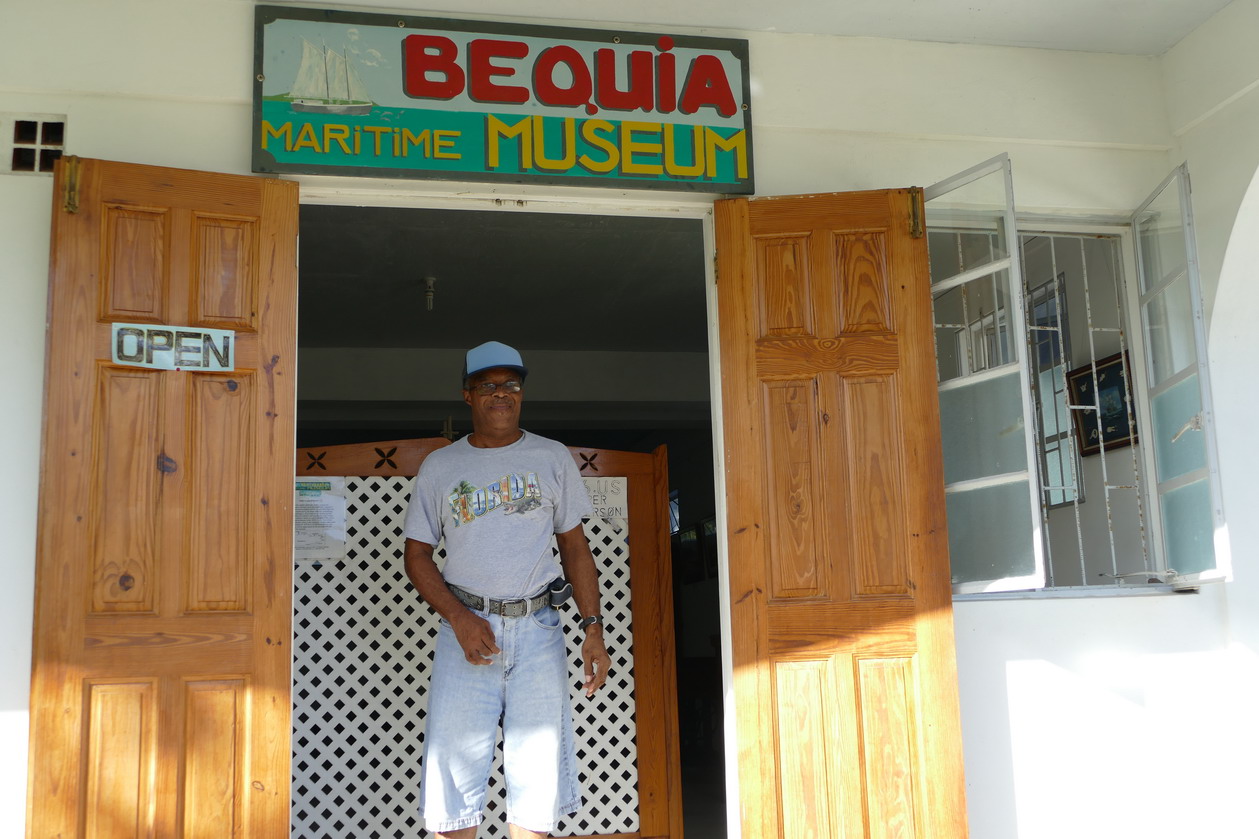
{"x": 585, "y": 622}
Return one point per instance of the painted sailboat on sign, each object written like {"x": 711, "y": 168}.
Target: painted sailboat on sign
{"x": 327, "y": 83}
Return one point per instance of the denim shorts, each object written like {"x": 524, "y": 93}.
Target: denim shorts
{"x": 526, "y": 689}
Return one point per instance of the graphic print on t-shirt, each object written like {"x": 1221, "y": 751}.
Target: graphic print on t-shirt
{"x": 513, "y": 493}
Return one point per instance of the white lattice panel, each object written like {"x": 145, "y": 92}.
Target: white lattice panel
{"x": 362, "y": 651}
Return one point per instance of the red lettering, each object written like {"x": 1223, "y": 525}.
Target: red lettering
{"x": 707, "y": 84}
{"x": 549, "y": 93}
{"x": 481, "y": 71}
{"x": 638, "y": 94}
{"x": 424, "y": 54}
{"x": 666, "y": 77}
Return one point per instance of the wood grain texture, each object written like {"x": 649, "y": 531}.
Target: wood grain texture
{"x": 225, "y": 280}
{"x": 128, "y": 490}
{"x": 876, "y": 473}
{"x": 214, "y": 749}
{"x": 220, "y": 445}
{"x": 137, "y": 248}
{"x": 872, "y": 449}
{"x": 862, "y": 261}
{"x": 131, "y": 463}
{"x": 784, "y": 292}
{"x": 385, "y": 458}
{"x": 810, "y": 758}
{"x": 888, "y": 728}
{"x": 120, "y": 758}
{"x": 791, "y": 416}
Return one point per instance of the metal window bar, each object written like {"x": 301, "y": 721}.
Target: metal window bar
{"x": 1049, "y": 334}
{"x": 1147, "y": 559}
{"x": 1107, "y": 486}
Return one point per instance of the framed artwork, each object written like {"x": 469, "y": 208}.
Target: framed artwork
{"x": 1118, "y": 421}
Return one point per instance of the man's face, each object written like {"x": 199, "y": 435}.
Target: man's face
{"x": 496, "y": 411}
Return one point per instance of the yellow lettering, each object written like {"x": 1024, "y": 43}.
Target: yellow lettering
{"x": 409, "y": 138}
{"x": 590, "y": 133}
{"x": 495, "y": 128}
{"x": 376, "y": 131}
{"x": 443, "y": 141}
{"x": 306, "y": 139}
{"x": 671, "y": 165}
{"x": 568, "y": 145}
{"x": 336, "y": 134}
{"x": 630, "y": 147}
{"x": 714, "y": 142}
{"x": 284, "y": 132}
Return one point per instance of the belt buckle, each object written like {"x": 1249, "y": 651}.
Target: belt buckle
{"x": 514, "y": 608}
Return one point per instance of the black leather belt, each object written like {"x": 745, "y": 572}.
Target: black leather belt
{"x": 507, "y": 608}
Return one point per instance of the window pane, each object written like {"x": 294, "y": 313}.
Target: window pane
{"x": 1161, "y": 233}
{"x": 1175, "y": 412}
{"x": 1180, "y": 438}
{"x": 972, "y": 327}
{"x": 1187, "y": 528}
{"x": 955, "y": 250}
{"x": 1055, "y": 419}
{"x": 1169, "y": 331}
{"x": 983, "y": 424}
{"x": 988, "y": 533}
{"x": 986, "y": 382}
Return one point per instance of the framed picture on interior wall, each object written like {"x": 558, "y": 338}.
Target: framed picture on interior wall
{"x": 1118, "y": 421}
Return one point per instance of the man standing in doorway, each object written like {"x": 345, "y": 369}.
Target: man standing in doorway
{"x": 497, "y": 496}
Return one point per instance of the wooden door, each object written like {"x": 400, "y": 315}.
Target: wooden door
{"x": 844, "y": 672}
{"x": 160, "y": 695}
{"x": 633, "y": 719}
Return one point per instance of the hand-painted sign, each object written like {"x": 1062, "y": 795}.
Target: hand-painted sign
{"x": 173, "y": 347}
{"x": 351, "y": 93}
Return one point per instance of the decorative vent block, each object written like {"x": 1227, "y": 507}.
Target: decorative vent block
{"x": 31, "y": 143}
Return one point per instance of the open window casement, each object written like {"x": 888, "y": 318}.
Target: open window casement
{"x": 987, "y": 417}
{"x": 1180, "y": 451}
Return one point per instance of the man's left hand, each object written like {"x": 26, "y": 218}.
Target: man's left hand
{"x": 597, "y": 661}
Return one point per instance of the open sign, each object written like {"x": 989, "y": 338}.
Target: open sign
{"x": 173, "y": 347}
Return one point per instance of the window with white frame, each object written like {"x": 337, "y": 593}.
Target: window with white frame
{"x": 1074, "y": 402}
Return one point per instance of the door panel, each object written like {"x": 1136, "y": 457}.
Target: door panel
{"x": 844, "y": 672}
{"x": 160, "y": 691}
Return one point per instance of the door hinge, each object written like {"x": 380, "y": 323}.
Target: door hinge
{"x": 70, "y": 197}
{"x": 915, "y": 213}
{"x": 716, "y": 268}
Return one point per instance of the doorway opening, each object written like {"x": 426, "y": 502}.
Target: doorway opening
{"x": 610, "y": 314}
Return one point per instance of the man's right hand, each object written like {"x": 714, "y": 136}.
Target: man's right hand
{"x": 475, "y": 636}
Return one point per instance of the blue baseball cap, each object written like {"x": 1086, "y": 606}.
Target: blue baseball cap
{"x": 492, "y": 354}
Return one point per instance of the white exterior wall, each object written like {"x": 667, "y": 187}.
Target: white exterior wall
{"x": 1083, "y": 717}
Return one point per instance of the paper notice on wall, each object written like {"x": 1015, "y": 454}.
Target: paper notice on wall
{"x": 319, "y": 520}
{"x": 610, "y": 498}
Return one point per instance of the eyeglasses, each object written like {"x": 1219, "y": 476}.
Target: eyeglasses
{"x": 486, "y": 388}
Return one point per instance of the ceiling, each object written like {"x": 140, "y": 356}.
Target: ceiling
{"x": 1137, "y": 27}
{"x": 538, "y": 280}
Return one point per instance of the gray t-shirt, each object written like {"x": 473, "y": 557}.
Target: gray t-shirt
{"x": 497, "y": 509}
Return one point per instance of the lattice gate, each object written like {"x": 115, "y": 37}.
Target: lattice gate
{"x": 362, "y": 650}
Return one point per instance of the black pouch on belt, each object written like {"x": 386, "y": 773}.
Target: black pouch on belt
{"x": 561, "y": 589}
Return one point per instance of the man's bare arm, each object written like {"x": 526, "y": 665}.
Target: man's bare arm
{"x": 471, "y": 630}
{"x": 579, "y": 569}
